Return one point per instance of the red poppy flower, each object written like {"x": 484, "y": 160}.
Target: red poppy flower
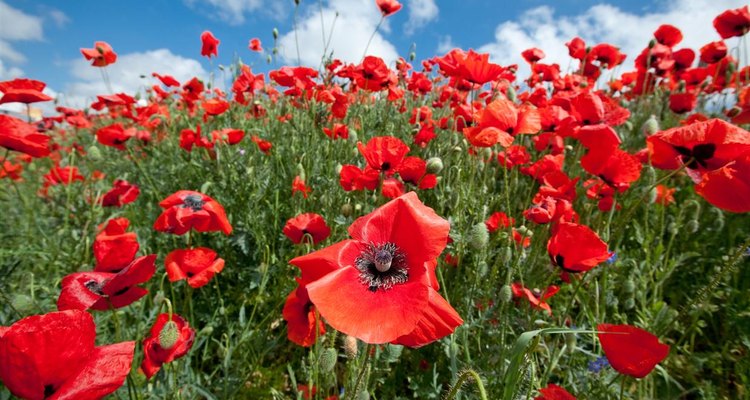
{"x": 298, "y": 185}
{"x": 114, "y": 135}
{"x": 388, "y": 271}
{"x": 681, "y": 103}
{"x": 713, "y": 52}
{"x": 353, "y": 178}
{"x": 384, "y": 153}
{"x": 23, "y": 91}
{"x": 665, "y": 195}
{"x": 62, "y": 176}
{"x": 54, "y": 356}
{"x": 729, "y": 186}
{"x": 500, "y": 121}
{"x": 604, "y": 159}
{"x": 215, "y": 106}
{"x": 414, "y": 170}
{"x": 477, "y": 68}
{"x": 532, "y": 55}
{"x": 668, "y": 35}
{"x": 228, "y": 135}
{"x": 21, "y": 136}
{"x": 702, "y": 146}
{"x": 306, "y": 224}
{"x": 197, "y": 265}
{"x": 630, "y": 350}
{"x": 554, "y": 392}
{"x": 101, "y": 55}
{"x": 576, "y": 48}
{"x": 114, "y": 248}
{"x": 388, "y": 7}
{"x": 392, "y": 188}
{"x": 263, "y": 145}
{"x": 535, "y": 297}
{"x": 498, "y": 220}
{"x": 122, "y": 193}
{"x": 186, "y": 209}
{"x": 100, "y": 290}
{"x": 167, "y": 80}
{"x": 576, "y": 248}
{"x": 254, "y": 45}
{"x": 337, "y": 131}
{"x": 170, "y": 339}
{"x": 209, "y": 44}
{"x": 732, "y": 23}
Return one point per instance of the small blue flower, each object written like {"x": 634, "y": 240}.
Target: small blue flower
{"x": 612, "y": 258}
{"x": 597, "y": 365}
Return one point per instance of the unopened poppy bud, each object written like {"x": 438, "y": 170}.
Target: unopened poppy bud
{"x": 651, "y": 43}
{"x": 301, "y": 171}
{"x": 346, "y": 210}
{"x": 482, "y": 269}
{"x": 629, "y": 303}
{"x": 94, "y": 153}
{"x": 692, "y": 226}
{"x": 652, "y": 196}
{"x": 570, "y": 342}
{"x": 353, "y": 136}
{"x": 649, "y": 174}
{"x": 731, "y": 67}
{"x": 651, "y": 126}
{"x": 269, "y": 59}
{"x": 338, "y": 168}
{"x": 511, "y": 93}
{"x": 507, "y": 253}
{"x": 434, "y": 165}
{"x": 412, "y": 56}
{"x": 629, "y": 286}
{"x": 486, "y": 153}
{"x": 275, "y": 51}
{"x": 524, "y": 231}
{"x": 350, "y": 346}
{"x": 168, "y": 335}
{"x": 296, "y": 2}
{"x": 327, "y": 360}
{"x": 458, "y": 149}
{"x": 672, "y": 228}
{"x": 275, "y": 33}
{"x": 22, "y": 303}
{"x": 363, "y": 395}
{"x": 207, "y": 331}
{"x": 479, "y": 236}
{"x": 718, "y": 219}
{"x": 506, "y": 294}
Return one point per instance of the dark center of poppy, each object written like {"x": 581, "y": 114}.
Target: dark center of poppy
{"x": 194, "y": 202}
{"x": 382, "y": 266}
{"x": 385, "y": 166}
{"x": 559, "y": 261}
{"x": 49, "y": 390}
{"x": 699, "y": 155}
{"x": 94, "y": 287}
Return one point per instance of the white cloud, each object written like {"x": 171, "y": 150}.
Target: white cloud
{"x": 445, "y": 44}
{"x": 15, "y": 25}
{"x": 353, "y": 23}
{"x": 58, "y": 17}
{"x": 125, "y": 75}
{"x": 233, "y": 11}
{"x": 540, "y": 27}
{"x": 421, "y": 12}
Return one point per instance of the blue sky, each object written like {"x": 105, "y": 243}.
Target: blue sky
{"x": 41, "y": 39}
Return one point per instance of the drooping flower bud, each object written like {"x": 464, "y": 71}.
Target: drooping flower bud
{"x": 168, "y": 335}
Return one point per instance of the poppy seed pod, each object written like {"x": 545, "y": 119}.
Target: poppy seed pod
{"x": 506, "y": 294}
{"x": 479, "y": 236}
{"x": 327, "y": 360}
{"x": 350, "y": 346}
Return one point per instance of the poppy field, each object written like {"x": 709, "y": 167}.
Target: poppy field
{"x": 431, "y": 229}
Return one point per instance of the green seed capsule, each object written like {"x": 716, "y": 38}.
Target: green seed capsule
{"x": 506, "y": 294}
{"x": 169, "y": 335}
{"x": 479, "y": 236}
{"x": 434, "y": 165}
{"x": 327, "y": 360}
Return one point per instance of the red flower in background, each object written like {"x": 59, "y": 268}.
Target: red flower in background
{"x": 665, "y": 195}
{"x": 498, "y": 220}
{"x": 62, "y": 176}
{"x": 311, "y": 224}
{"x": 255, "y": 45}
{"x": 298, "y": 185}
{"x": 554, "y": 392}
{"x": 186, "y": 209}
{"x": 576, "y": 248}
{"x": 500, "y": 121}
{"x": 384, "y": 153}
{"x": 732, "y": 23}
{"x": 477, "y": 68}
{"x": 263, "y": 145}
{"x": 20, "y": 136}
{"x": 681, "y": 103}
{"x": 170, "y": 339}
{"x": 54, "y": 356}
{"x": 383, "y": 288}
{"x": 228, "y": 135}
{"x": 535, "y": 297}
{"x": 353, "y": 178}
{"x": 209, "y": 44}
{"x": 630, "y": 350}
{"x": 532, "y": 55}
{"x": 576, "y": 48}
{"x": 23, "y": 91}
{"x": 713, "y": 52}
{"x": 100, "y": 290}
{"x": 604, "y": 159}
{"x": 668, "y": 35}
{"x": 101, "y": 55}
{"x": 115, "y": 135}
{"x": 197, "y": 265}
{"x": 114, "y": 247}
{"x": 167, "y": 80}
{"x": 388, "y": 7}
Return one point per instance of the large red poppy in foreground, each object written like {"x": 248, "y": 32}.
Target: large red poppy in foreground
{"x": 54, "y": 356}
{"x": 383, "y": 288}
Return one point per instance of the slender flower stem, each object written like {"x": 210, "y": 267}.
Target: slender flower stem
{"x": 372, "y": 36}
{"x": 462, "y": 378}
{"x": 362, "y": 370}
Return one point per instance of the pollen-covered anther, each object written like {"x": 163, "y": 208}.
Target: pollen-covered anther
{"x": 381, "y": 266}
